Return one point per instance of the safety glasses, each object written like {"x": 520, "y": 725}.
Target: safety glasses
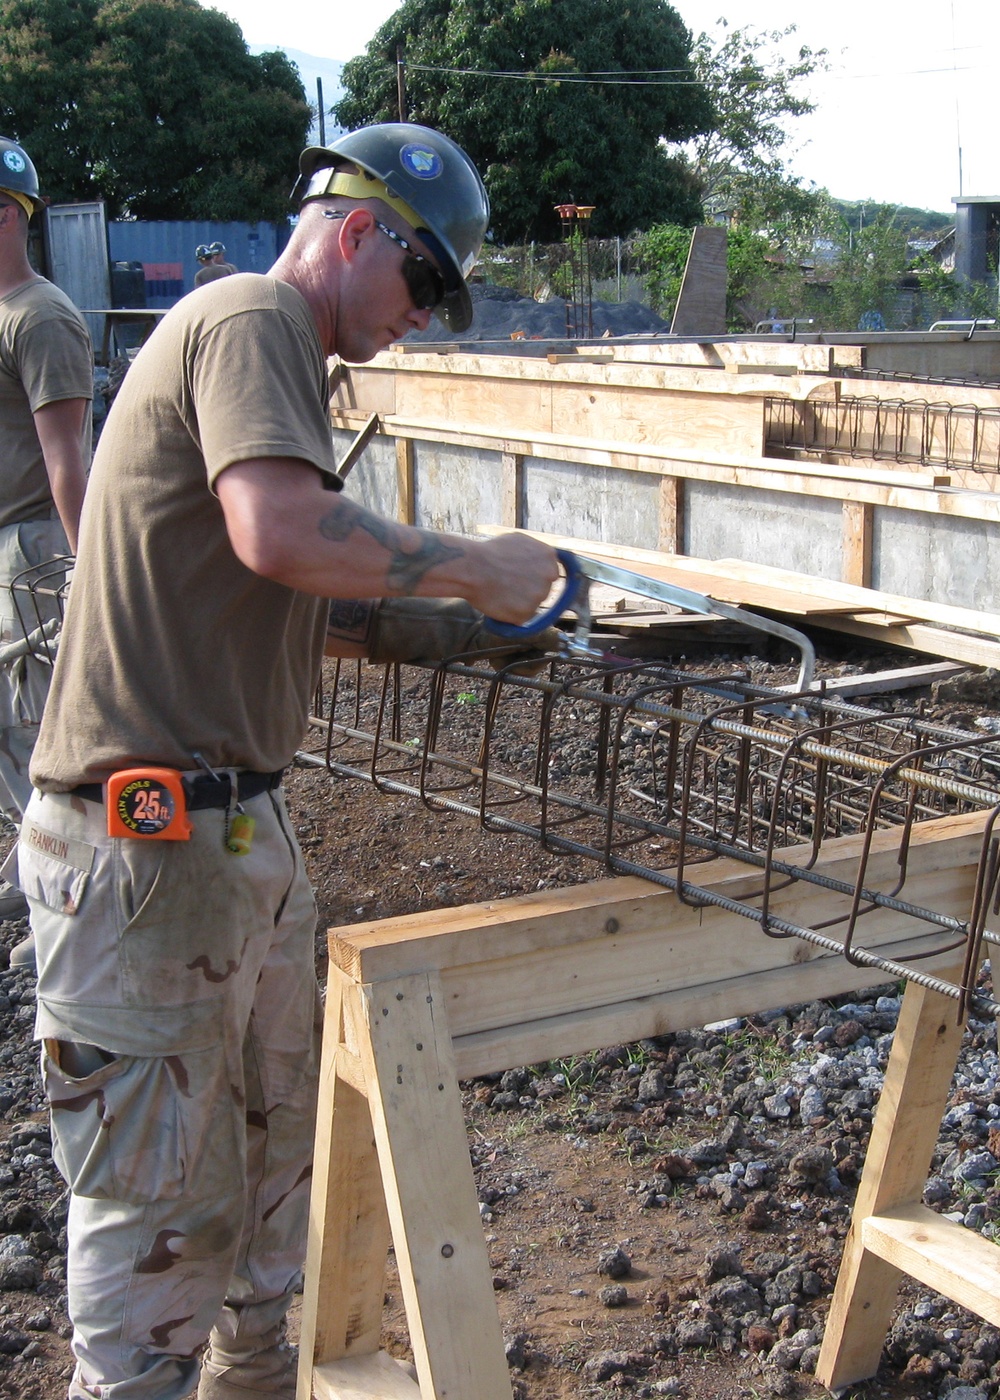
{"x": 423, "y": 281}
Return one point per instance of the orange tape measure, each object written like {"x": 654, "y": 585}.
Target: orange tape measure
{"x": 148, "y": 803}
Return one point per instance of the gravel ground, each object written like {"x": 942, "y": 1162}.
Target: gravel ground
{"x": 664, "y": 1218}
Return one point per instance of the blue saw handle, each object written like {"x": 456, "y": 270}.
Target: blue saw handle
{"x": 515, "y": 632}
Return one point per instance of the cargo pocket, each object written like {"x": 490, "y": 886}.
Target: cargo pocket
{"x": 52, "y": 869}
{"x": 147, "y": 1128}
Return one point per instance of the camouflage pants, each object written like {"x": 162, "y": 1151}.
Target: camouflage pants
{"x": 179, "y": 1014}
{"x": 24, "y": 679}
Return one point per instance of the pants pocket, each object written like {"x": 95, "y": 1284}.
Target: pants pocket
{"x": 141, "y": 1129}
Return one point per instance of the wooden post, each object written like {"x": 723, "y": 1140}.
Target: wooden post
{"x": 512, "y": 490}
{"x": 924, "y": 1053}
{"x": 857, "y": 551}
{"x": 405, "y": 487}
{"x": 671, "y": 531}
{"x": 348, "y": 1225}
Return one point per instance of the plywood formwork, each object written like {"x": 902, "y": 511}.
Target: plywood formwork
{"x": 416, "y": 1003}
{"x": 666, "y": 444}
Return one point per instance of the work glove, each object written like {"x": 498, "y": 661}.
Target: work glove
{"x": 431, "y": 629}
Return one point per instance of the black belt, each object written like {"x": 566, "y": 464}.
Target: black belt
{"x": 203, "y": 790}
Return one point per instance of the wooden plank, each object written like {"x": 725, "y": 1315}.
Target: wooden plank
{"x": 924, "y": 1052}
{"x": 696, "y": 574}
{"x": 859, "y": 518}
{"x": 956, "y": 646}
{"x": 701, "y": 301}
{"x": 405, "y": 481}
{"x": 882, "y": 682}
{"x": 576, "y": 1033}
{"x": 610, "y": 912}
{"x": 378, "y": 1377}
{"x": 943, "y": 1254}
{"x": 857, "y": 481}
{"x": 866, "y": 599}
{"x": 348, "y": 1238}
{"x": 512, "y": 489}
{"x": 444, "y": 1271}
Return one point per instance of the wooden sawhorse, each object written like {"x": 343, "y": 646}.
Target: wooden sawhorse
{"x": 414, "y": 1004}
{"x": 892, "y": 1232}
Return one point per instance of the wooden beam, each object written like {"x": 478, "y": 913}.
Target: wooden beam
{"x": 924, "y": 1051}
{"x": 437, "y": 1233}
{"x": 512, "y": 490}
{"x": 376, "y": 1377}
{"x": 943, "y": 1254}
{"x": 859, "y": 519}
{"x": 671, "y": 531}
{"x": 405, "y": 481}
{"x": 348, "y": 1226}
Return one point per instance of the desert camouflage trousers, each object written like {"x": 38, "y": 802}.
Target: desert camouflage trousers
{"x": 180, "y": 1017}
{"x": 24, "y": 675}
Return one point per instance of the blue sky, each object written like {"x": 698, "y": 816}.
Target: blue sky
{"x": 910, "y": 83}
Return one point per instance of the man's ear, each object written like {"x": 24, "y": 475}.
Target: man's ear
{"x": 354, "y": 232}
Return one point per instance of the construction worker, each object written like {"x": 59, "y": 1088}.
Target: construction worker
{"x": 218, "y": 251}
{"x": 46, "y": 392}
{"x": 212, "y": 266}
{"x": 177, "y": 1002}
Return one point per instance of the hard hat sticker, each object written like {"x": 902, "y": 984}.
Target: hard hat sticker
{"x": 145, "y": 807}
{"x": 14, "y": 160}
{"x": 421, "y": 161}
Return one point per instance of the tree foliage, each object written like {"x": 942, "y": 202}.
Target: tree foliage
{"x": 754, "y": 91}
{"x": 754, "y": 275}
{"x": 155, "y": 106}
{"x": 574, "y": 131}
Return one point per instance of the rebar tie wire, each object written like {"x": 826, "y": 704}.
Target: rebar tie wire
{"x": 650, "y": 769}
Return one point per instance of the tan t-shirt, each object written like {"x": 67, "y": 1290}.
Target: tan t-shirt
{"x": 171, "y": 645}
{"x": 45, "y": 357}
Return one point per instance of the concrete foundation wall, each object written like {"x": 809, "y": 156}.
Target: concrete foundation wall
{"x": 915, "y": 555}
{"x": 764, "y": 527}
{"x": 937, "y": 557}
{"x": 591, "y": 503}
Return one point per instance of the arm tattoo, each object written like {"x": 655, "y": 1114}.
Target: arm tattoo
{"x": 351, "y": 619}
{"x": 406, "y": 567}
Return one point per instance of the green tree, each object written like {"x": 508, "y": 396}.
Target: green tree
{"x": 870, "y": 263}
{"x": 155, "y": 106}
{"x": 754, "y": 90}
{"x": 603, "y": 87}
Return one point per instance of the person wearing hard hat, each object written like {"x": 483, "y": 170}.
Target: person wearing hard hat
{"x": 46, "y": 390}
{"x": 218, "y": 251}
{"x": 211, "y": 263}
{"x": 177, "y": 1000}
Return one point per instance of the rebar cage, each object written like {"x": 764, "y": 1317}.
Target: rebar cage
{"x": 651, "y": 770}
{"x": 39, "y": 598}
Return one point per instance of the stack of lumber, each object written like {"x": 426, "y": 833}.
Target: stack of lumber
{"x": 938, "y": 629}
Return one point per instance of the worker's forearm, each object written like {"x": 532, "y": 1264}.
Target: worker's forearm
{"x": 59, "y": 426}
{"x": 67, "y": 482}
{"x": 286, "y": 528}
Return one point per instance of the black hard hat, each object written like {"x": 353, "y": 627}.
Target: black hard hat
{"x": 203, "y": 252}
{"x": 215, "y": 248}
{"x": 429, "y": 180}
{"x": 17, "y": 174}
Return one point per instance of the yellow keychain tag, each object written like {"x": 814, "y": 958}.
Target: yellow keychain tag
{"x": 240, "y": 834}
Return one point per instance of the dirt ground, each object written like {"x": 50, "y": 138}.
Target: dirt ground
{"x": 576, "y": 1171}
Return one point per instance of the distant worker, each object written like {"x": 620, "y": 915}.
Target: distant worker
{"x": 46, "y": 391}
{"x": 211, "y": 256}
{"x": 218, "y": 251}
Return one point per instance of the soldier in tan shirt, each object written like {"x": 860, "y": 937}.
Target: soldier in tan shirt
{"x": 46, "y": 387}
{"x": 177, "y": 1002}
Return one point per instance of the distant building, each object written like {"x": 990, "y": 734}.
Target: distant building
{"x": 977, "y": 238}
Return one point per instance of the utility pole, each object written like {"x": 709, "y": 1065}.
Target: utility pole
{"x": 401, "y": 81}
{"x": 322, "y": 114}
